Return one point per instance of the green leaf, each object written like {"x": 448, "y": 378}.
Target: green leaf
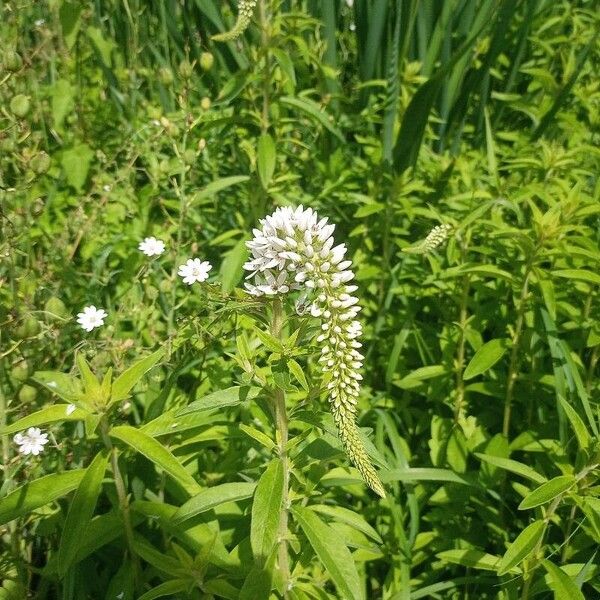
{"x": 332, "y": 552}
{"x": 513, "y": 466}
{"x": 415, "y": 378}
{"x": 38, "y": 492}
{"x": 123, "y": 384}
{"x": 76, "y": 165}
{"x": 312, "y": 109}
{"x": 266, "y": 159}
{"x": 258, "y": 582}
{"x": 298, "y": 373}
{"x": 209, "y": 498}
{"x": 266, "y": 511}
{"x": 216, "y": 186}
{"x": 70, "y": 21}
{"x": 156, "y": 453}
{"x": 231, "y": 270}
{"x": 168, "y": 588}
{"x": 349, "y": 517}
{"x": 584, "y": 439}
{"x": 230, "y": 397}
{"x": 62, "y": 94}
{"x": 65, "y": 386}
{"x": 485, "y": 358}
{"x": 578, "y": 275}
{"x": 561, "y": 584}
{"x": 423, "y": 474}
{"x": 522, "y": 546}
{"x": 91, "y": 385}
{"x": 259, "y": 436}
{"x": 51, "y": 414}
{"x": 81, "y": 512}
{"x": 547, "y": 491}
{"x": 472, "y": 558}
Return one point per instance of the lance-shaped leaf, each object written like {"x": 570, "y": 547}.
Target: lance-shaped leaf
{"x": 522, "y": 546}
{"x": 81, "y": 512}
{"x": 51, "y": 414}
{"x": 124, "y": 383}
{"x": 156, "y": 453}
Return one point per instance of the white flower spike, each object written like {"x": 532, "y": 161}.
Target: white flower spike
{"x": 194, "y": 270}
{"x": 151, "y": 246}
{"x": 294, "y": 250}
{"x": 91, "y": 317}
{"x": 31, "y": 442}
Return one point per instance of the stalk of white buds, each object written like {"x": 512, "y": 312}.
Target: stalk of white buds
{"x": 245, "y": 11}
{"x": 294, "y": 250}
{"x": 436, "y": 237}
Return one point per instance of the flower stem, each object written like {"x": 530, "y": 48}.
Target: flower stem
{"x": 281, "y": 423}
{"x": 460, "y": 355}
{"x": 122, "y": 495}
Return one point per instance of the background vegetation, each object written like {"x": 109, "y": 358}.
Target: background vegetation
{"x": 122, "y": 119}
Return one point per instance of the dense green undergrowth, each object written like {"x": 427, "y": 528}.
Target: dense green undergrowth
{"x": 191, "y": 451}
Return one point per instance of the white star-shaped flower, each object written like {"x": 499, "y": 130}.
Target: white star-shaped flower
{"x": 91, "y": 317}
{"x": 194, "y": 270}
{"x": 31, "y": 442}
{"x": 151, "y": 246}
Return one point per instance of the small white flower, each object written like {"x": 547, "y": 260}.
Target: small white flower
{"x": 91, "y": 317}
{"x": 150, "y": 246}
{"x": 194, "y": 270}
{"x": 31, "y": 442}
{"x": 70, "y": 409}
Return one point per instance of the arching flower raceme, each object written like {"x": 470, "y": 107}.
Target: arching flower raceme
{"x": 294, "y": 250}
{"x": 32, "y": 441}
{"x": 436, "y": 237}
{"x": 245, "y": 10}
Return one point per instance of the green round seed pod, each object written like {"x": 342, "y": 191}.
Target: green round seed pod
{"x": 20, "y": 372}
{"x": 55, "y": 308}
{"x": 20, "y": 105}
{"x": 205, "y": 103}
{"x": 27, "y": 393}
{"x": 40, "y": 163}
{"x": 165, "y": 285}
{"x": 165, "y": 76}
{"x": 186, "y": 70}
{"x": 12, "y": 61}
{"x": 207, "y": 60}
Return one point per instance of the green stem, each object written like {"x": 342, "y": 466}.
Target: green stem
{"x": 460, "y": 354}
{"x": 514, "y": 354}
{"x": 265, "y": 41}
{"x": 122, "y": 495}
{"x": 281, "y": 423}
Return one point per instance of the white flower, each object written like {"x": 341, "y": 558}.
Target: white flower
{"x": 194, "y": 270}
{"x": 91, "y": 317}
{"x": 31, "y": 442}
{"x": 150, "y": 246}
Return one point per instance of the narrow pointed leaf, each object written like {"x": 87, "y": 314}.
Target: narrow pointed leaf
{"x": 547, "y": 491}
{"x": 123, "y": 384}
{"x": 522, "y": 546}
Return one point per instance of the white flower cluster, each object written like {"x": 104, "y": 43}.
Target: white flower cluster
{"x": 294, "y": 250}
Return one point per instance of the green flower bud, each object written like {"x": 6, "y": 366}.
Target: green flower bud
{"x": 207, "y": 60}
{"x": 186, "y": 70}
{"x": 205, "y": 103}
{"x": 166, "y": 76}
